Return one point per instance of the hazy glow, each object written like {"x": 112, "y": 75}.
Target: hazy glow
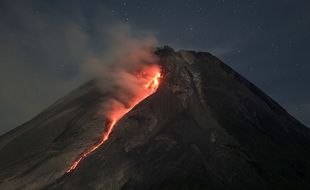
{"x": 150, "y": 78}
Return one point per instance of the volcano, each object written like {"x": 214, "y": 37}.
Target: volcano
{"x": 203, "y": 127}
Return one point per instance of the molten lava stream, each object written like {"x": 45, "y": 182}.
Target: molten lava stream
{"x": 150, "y": 88}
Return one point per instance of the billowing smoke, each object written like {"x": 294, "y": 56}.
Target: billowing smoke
{"x": 124, "y": 70}
{"x": 45, "y": 51}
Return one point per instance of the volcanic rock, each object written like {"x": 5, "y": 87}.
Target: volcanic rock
{"x": 206, "y": 127}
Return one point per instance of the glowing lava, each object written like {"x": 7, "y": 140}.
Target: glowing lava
{"x": 150, "y": 86}
{"x": 154, "y": 83}
{"x": 104, "y": 138}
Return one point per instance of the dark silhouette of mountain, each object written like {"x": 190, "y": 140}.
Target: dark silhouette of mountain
{"x": 206, "y": 127}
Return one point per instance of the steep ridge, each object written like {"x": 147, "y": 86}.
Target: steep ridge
{"x": 206, "y": 127}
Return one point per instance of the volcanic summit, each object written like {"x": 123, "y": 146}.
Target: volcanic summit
{"x": 200, "y": 126}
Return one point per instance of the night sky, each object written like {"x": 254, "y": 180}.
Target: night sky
{"x": 43, "y": 45}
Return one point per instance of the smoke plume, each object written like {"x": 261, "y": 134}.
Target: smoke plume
{"x": 47, "y": 51}
{"x": 124, "y": 69}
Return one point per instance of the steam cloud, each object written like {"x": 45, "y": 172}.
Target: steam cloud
{"x": 46, "y": 52}
{"x": 124, "y": 69}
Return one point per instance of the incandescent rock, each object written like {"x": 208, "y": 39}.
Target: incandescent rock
{"x": 206, "y": 127}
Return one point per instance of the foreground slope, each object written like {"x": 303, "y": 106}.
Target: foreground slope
{"x": 40, "y": 151}
{"x": 206, "y": 127}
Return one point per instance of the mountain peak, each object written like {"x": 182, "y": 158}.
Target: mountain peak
{"x": 206, "y": 127}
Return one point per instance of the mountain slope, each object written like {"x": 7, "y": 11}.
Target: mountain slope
{"x": 40, "y": 151}
{"x": 206, "y": 127}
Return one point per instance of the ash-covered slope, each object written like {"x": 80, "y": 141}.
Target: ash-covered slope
{"x": 206, "y": 127}
{"x": 40, "y": 151}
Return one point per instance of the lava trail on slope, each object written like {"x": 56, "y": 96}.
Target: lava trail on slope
{"x": 149, "y": 88}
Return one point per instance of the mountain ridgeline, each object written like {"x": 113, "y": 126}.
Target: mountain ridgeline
{"x": 205, "y": 128}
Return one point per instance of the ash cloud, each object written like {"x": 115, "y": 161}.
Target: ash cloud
{"x": 47, "y": 50}
{"x": 123, "y": 69}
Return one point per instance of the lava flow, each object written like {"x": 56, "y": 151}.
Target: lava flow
{"x": 150, "y": 86}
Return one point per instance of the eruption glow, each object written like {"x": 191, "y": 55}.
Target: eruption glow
{"x": 150, "y": 79}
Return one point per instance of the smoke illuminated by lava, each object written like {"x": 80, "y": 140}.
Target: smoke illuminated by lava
{"x": 126, "y": 74}
{"x": 149, "y": 80}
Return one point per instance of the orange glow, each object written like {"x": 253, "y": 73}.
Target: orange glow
{"x": 104, "y": 138}
{"x": 151, "y": 79}
{"x": 153, "y": 84}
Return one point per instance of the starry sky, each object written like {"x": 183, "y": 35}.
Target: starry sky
{"x": 44, "y": 43}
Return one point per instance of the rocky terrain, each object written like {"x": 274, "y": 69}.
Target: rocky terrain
{"x": 206, "y": 127}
